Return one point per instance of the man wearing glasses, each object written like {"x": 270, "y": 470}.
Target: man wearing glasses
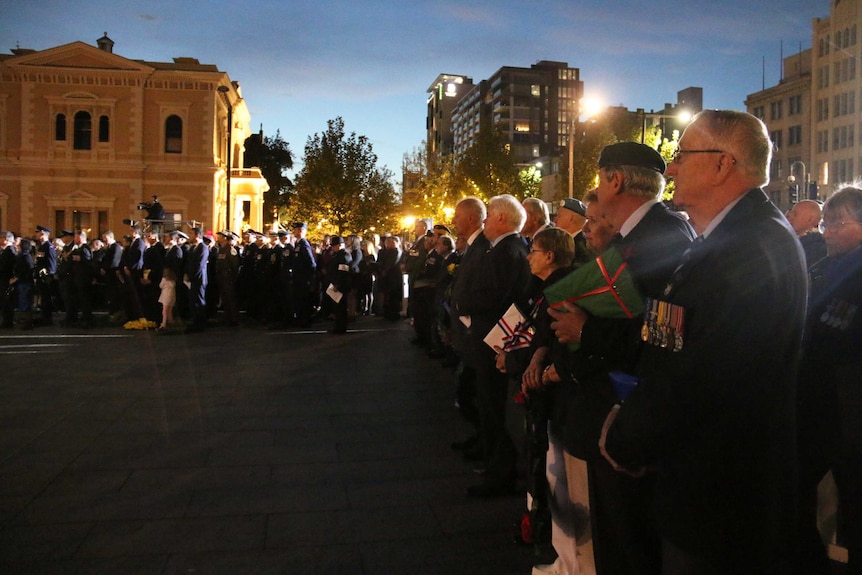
{"x": 713, "y": 415}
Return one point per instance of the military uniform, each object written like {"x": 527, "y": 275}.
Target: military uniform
{"x": 79, "y": 285}
{"x": 302, "y": 271}
{"x": 338, "y": 272}
{"x": 44, "y": 269}
{"x": 227, "y": 272}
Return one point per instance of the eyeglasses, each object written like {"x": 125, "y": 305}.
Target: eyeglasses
{"x": 835, "y": 226}
{"x": 540, "y": 251}
{"x": 678, "y": 152}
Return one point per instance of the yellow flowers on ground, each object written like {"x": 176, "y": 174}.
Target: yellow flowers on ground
{"x": 139, "y": 324}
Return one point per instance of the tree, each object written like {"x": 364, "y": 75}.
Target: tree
{"x": 487, "y": 168}
{"x": 616, "y": 125}
{"x": 431, "y": 186}
{"x": 273, "y": 156}
{"x": 341, "y": 186}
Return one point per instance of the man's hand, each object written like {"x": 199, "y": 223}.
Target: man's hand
{"x": 501, "y": 359}
{"x": 568, "y": 322}
{"x": 609, "y": 420}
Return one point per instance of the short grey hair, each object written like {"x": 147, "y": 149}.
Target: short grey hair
{"x": 538, "y": 208}
{"x": 743, "y": 136}
{"x": 475, "y": 207}
{"x": 508, "y": 205}
{"x": 638, "y": 181}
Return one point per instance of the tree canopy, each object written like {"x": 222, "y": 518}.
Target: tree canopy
{"x": 273, "y": 156}
{"x": 341, "y": 188}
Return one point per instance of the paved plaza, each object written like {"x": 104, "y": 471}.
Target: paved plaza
{"x": 238, "y": 452}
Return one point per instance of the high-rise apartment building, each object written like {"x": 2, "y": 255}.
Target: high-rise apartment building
{"x": 534, "y": 108}
{"x": 837, "y": 117}
{"x": 812, "y": 114}
{"x": 443, "y": 94}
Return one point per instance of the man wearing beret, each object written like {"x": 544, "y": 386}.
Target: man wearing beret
{"x": 652, "y": 239}
{"x": 571, "y": 217}
{"x": 714, "y": 410}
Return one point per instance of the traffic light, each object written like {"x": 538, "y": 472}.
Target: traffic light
{"x": 812, "y": 191}
{"x": 794, "y": 193}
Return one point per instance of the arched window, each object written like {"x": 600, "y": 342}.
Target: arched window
{"x": 83, "y": 131}
{"x": 174, "y": 135}
{"x": 104, "y": 129}
{"x": 60, "y": 128}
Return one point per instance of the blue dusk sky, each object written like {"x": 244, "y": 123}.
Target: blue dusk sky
{"x": 303, "y": 62}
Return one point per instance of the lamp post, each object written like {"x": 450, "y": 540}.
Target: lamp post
{"x": 224, "y": 91}
{"x": 682, "y": 116}
{"x": 791, "y": 179}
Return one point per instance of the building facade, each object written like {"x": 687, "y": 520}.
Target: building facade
{"x": 87, "y": 135}
{"x": 535, "y": 108}
{"x": 443, "y": 94}
{"x": 786, "y": 110}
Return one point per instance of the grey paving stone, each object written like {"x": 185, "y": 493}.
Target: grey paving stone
{"x": 241, "y": 453}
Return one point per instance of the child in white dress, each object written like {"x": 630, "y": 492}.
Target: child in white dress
{"x": 168, "y": 296}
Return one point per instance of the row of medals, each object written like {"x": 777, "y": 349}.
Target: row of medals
{"x": 663, "y": 325}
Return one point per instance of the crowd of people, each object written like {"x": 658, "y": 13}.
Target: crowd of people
{"x": 673, "y": 385}
{"x": 174, "y": 279}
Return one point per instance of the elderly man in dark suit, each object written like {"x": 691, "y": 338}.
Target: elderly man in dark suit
{"x": 713, "y": 412}
{"x": 501, "y": 277}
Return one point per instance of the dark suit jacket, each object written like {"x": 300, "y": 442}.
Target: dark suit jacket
{"x": 584, "y": 396}
{"x": 499, "y": 278}
{"x": 133, "y": 257}
{"x": 717, "y": 417}
{"x": 464, "y": 274}
{"x": 196, "y": 266}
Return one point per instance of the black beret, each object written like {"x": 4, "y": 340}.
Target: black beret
{"x": 302, "y": 225}
{"x": 576, "y": 206}
{"x": 335, "y": 240}
{"x": 208, "y": 240}
{"x": 632, "y": 154}
{"x": 43, "y": 229}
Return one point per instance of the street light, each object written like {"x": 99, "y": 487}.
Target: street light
{"x": 224, "y": 91}
{"x": 682, "y": 116}
{"x": 590, "y": 107}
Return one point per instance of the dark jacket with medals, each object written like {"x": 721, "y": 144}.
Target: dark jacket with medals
{"x": 715, "y": 415}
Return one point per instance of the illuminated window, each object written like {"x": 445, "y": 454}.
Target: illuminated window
{"x": 536, "y": 90}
